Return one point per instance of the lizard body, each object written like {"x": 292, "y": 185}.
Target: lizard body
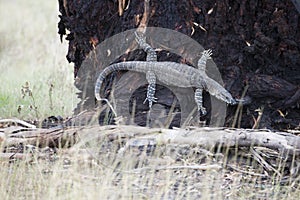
{"x": 170, "y": 73}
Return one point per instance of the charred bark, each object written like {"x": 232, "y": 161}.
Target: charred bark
{"x": 255, "y": 44}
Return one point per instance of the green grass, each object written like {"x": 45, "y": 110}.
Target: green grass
{"x": 31, "y": 51}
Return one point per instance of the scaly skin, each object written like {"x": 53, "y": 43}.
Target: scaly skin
{"x": 150, "y": 76}
{"x": 169, "y": 73}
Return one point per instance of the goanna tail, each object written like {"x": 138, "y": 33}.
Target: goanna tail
{"x": 108, "y": 70}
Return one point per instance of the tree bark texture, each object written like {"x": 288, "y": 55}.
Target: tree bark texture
{"x": 256, "y": 45}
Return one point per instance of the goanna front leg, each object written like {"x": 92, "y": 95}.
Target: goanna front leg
{"x": 199, "y": 101}
{"x": 206, "y": 54}
{"x": 150, "y": 76}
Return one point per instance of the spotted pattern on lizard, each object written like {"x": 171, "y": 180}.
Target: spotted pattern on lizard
{"x": 169, "y": 73}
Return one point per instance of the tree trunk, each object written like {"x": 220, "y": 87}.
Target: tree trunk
{"x": 256, "y": 45}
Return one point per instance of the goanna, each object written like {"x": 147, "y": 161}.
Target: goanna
{"x": 169, "y": 73}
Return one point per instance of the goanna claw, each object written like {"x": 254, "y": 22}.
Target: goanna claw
{"x": 244, "y": 101}
{"x": 203, "y": 111}
{"x": 207, "y": 53}
{"x": 151, "y": 100}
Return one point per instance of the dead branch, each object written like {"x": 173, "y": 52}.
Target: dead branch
{"x": 285, "y": 143}
{"x": 206, "y": 137}
{"x": 175, "y": 167}
{"x": 16, "y": 122}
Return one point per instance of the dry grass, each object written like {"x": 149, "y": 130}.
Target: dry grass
{"x": 83, "y": 173}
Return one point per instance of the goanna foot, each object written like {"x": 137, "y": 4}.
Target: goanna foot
{"x": 151, "y": 100}
{"x": 150, "y": 76}
{"x": 151, "y": 90}
{"x": 202, "y": 111}
{"x": 207, "y": 53}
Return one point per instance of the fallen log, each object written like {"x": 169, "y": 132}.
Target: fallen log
{"x": 134, "y": 144}
{"x": 205, "y": 137}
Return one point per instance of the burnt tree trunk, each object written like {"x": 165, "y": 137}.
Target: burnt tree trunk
{"x": 256, "y": 45}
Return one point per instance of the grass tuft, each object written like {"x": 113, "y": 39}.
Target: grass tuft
{"x": 31, "y": 52}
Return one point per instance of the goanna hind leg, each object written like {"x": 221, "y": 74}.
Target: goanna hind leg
{"x": 141, "y": 40}
{"x": 150, "y": 76}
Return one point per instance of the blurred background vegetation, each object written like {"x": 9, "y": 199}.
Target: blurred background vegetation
{"x": 31, "y": 51}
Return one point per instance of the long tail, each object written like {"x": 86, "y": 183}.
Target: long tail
{"x": 108, "y": 70}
